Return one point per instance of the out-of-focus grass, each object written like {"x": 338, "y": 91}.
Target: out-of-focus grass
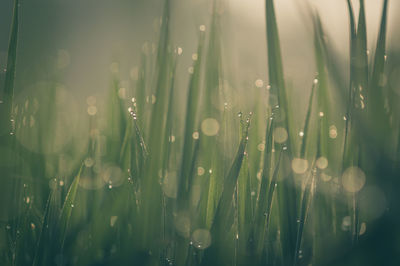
{"x": 142, "y": 188}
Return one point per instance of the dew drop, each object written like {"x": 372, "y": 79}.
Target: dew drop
{"x": 200, "y": 170}
{"x": 179, "y": 50}
{"x": 333, "y": 132}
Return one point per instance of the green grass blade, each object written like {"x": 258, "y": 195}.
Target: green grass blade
{"x": 265, "y": 213}
{"x": 156, "y": 137}
{"x": 191, "y": 123}
{"x": 304, "y": 207}
{"x": 307, "y": 130}
{"x": 221, "y": 223}
{"x": 274, "y": 55}
{"x": 68, "y": 206}
{"x": 360, "y": 63}
{"x": 8, "y": 93}
{"x": 376, "y": 111}
{"x": 230, "y": 182}
{"x": 262, "y": 202}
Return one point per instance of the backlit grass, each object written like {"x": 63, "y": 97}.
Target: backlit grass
{"x": 159, "y": 176}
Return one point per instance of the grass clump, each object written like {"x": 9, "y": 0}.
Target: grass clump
{"x": 166, "y": 179}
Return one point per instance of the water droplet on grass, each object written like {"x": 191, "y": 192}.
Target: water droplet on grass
{"x": 179, "y": 50}
{"x": 200, "y": 170}
{"x": 333, "y": 132}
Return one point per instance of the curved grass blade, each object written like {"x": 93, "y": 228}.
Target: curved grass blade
{"x": 260, "y": 219}
{"x": 230, "y": 182}
{"x": 68, "y": 206}
{"x": 220, "y": 224}
{"x": 49, "y": 229}
{"x": 304, "y": 207}
{"x": 8, "y": 93}
{"x": 268, "y": 206}
{"x": 307, "y": 131}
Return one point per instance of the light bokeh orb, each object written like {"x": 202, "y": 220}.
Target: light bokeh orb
{"x": 210, "y": 127}
{"x": 353, "y": 179}
{"x": 201, "y": 238}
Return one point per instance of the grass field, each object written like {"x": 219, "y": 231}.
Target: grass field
{"x": 154, "y": 175}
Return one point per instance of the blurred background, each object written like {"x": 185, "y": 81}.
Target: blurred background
{"x": 76, "y": 48}
{"x": 83, "y": 38}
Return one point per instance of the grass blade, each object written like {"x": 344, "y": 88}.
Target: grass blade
{"x": 376, "y": 111}
{"x": 68, "y": 206}
{"x": 8, "y": 94}
{"x": 191, "y": 122}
